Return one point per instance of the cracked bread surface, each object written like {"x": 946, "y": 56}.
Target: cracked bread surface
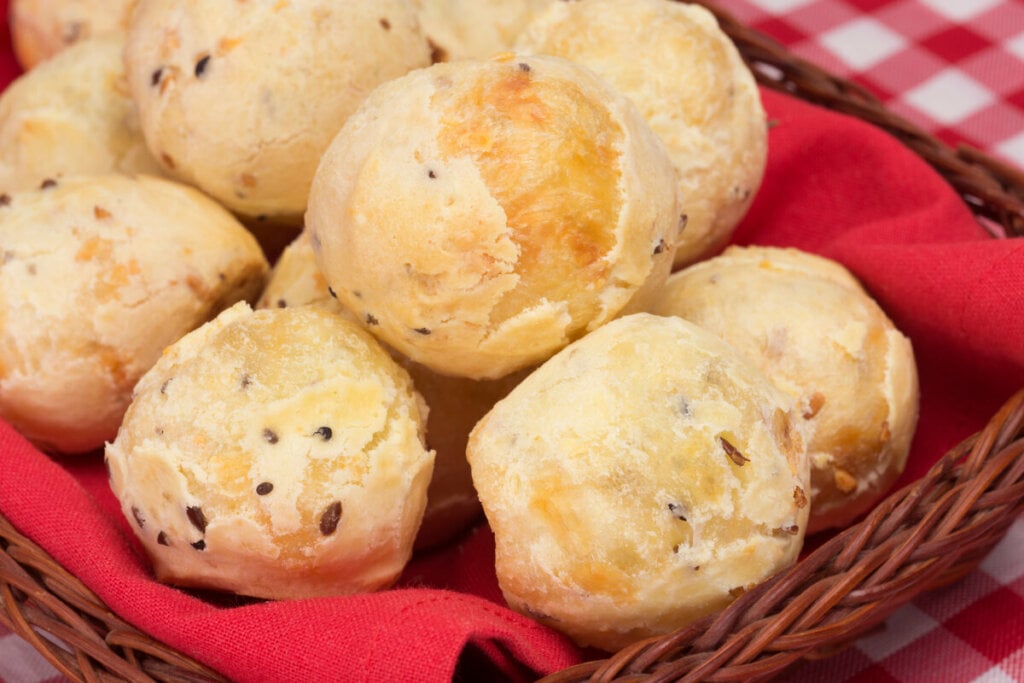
{"x": 638, "y": 480}
{"x": 275, "y": 453}
{"x": 486, "y": 213}
{"x": 98, "y": 274}
{"x": 241, "y": 98}
{"x": 810, "y": 326}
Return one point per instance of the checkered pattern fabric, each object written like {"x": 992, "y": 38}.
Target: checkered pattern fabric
{"x": 20, "y": 663}
{"x": 972, "y": 630}
{"x": 956, "y": 68}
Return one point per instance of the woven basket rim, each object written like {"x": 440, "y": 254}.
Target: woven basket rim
{"x": 930, "y": 533}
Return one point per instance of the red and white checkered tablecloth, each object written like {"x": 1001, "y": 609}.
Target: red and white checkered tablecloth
{"x": 956, "y": 68}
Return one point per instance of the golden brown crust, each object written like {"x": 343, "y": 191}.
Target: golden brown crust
{"x": 99, "y": 274}
{"x": 637, "y": 479}
{"x": 810, "y": 326}
{"x": 456, "y": 404}
{"x": 692, "y": 87}
{"x": 275, "y": 453}
{"x": 487, "y": 213}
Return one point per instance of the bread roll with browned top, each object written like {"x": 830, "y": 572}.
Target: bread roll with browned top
{"x": 456, "y": 403}
{"x": 98, "y": 275}
{"x": 691, "y": 85}
{"x": 276, "y": 454}
{"x": 808, "y": 324}
{"x": 42, "y": 28}
{"x": 638, "y": 480}
{"x": 242, "y": 98}
{"x": 480, "y": 215}
{"x": 70, "y": 116}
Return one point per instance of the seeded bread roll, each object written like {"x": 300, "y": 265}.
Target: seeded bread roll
{"x": 639, "y": 480}
{"x": 691, "y": 85}
{"x": 242, "y": 98}
{"x": 810, "y": 326}
{"x": 456, "y": 404}
{"x": 98, "y": 274}
{"x": 480, "y": 215}
{"x": 42, "y": 28}
{"x": 296, "y": 281}
{"x": 276, "y": 454}
{"x": 71, "y": 115}
{"x": 474, "y": 29}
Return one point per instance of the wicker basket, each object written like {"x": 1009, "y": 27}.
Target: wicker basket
{"x": 926, "y": 535}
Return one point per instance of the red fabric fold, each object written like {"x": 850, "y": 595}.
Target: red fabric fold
{"x": 834, "y": 186}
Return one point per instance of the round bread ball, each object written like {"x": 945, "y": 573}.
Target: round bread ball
{"x": 807, "y": 323}
{"x": 42, "y": 28}
{"x": 275, "y": 454}
{"x": 639, "y": 480}
{"x": 480, "y": 215}
{"x": 242, "y": 98}
{"x": 71, "y": 115}
{"x": 455, "y": 403}
{"x": 98, "y": 274}
{"x": 474, "y": 29}
{"x": 296, "y": 281}
{"x": 691, "y": 85}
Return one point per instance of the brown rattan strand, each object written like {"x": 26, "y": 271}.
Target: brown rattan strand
{"x": 72, "y": 628}
{"x": 926, "y": 535}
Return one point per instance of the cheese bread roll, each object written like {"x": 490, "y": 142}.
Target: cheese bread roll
{"x": 98, "y": 274}
{"x": 276, "y": 454}
{"x": 639, "y": 480}
{"x": 71, "y": 116}
{"x": 691, "y": 85}
{"x": 242, "y": 98}
{"x": 810, "y": 326}
{"x": 480, "y": 215}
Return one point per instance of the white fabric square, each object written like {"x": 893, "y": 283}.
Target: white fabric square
{"x": 995, "y": 675}
{"x": 960, "y": 10}
{"x": 780, "y": 6}
{"x": 950, "y": 96}
{"x": 1003, "y": 563}
{"x": 20, "y": 662}
{"x": 1013, "y": 149}
{"x": 1015, "y": 45}
{"x": 902, "y": 628}
{"x": 863, "y": 42}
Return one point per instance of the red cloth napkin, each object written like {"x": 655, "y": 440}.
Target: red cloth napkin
{"x": 834, "y": 186}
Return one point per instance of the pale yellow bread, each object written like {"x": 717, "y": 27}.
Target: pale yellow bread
{"x": 474, "y": 29}
{"x": 296, "y": 281}
{"x": 691, "y": 85}
{"x": 456, "y": 403}
{"x": 638, "y": 480}
{"x": 42, "y": 28}
{"x": 242, "y": 98}
{"x": 807, "y": 323}
{"x": 486, "y": 213}
{"x": 71, "y": 115}
{"x": 276, "y": 454}
{"x": 98, "y": 274}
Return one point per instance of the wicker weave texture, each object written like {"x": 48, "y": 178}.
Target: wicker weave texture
{"x": 926, "y": 535}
